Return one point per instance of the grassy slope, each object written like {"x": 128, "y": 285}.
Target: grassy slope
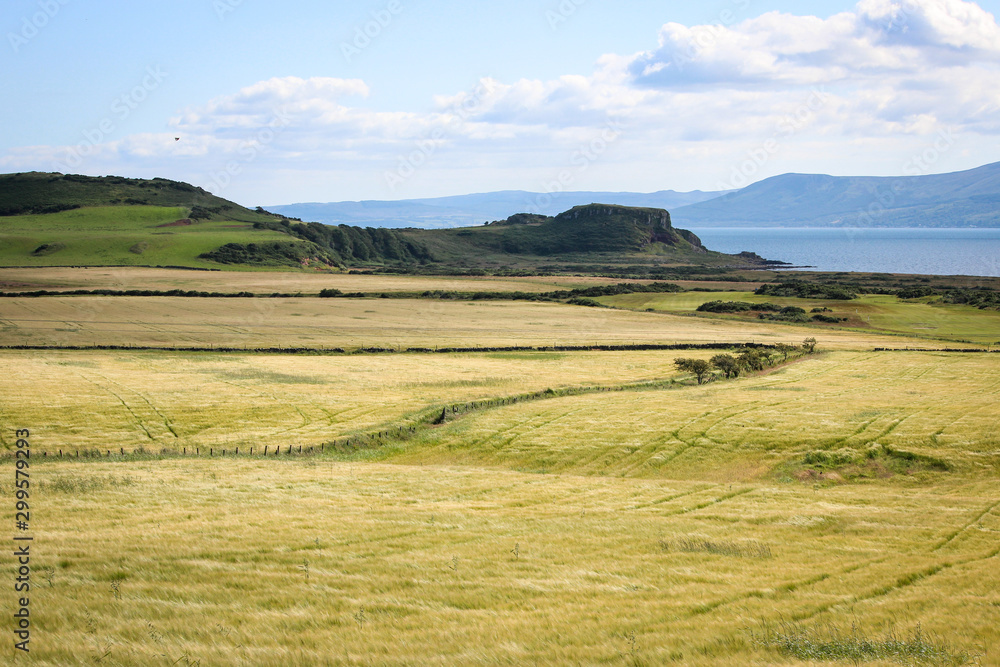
{"x": 120, "y": 235}
{"x": 45, "y": 189}
{"x": 476, "y": 247}
{"x": 119, "y": 222}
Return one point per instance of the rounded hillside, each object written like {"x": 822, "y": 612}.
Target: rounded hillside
{"x": 592, "y": 228}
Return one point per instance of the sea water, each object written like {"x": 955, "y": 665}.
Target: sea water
{"x": 966, "y": 251}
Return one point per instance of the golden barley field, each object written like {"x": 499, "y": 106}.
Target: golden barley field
{"x": 266, "y": 282}
{"x": 375, "y": 322}
{"x": 315, "y": 562}
{"x": 840, "y": 406}
{"x": 841, "y": 507}
{"x": 155, "y": 400}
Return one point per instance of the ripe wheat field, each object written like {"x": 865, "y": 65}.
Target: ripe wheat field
{"x": 840, "y": 508}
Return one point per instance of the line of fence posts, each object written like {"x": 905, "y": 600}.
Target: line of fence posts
{"x": 355, "y": 441}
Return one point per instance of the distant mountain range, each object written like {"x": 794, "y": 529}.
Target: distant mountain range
{"x": 476, "y": 209}
{"x": 961, "y": 199}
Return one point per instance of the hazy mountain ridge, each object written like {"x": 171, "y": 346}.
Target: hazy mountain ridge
{"x": 476, "y": 209}
{"x": 960, "y": 199}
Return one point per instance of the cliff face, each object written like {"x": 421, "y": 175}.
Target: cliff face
{"x": 590, "y": 228}
{"x": 603, "y": 228}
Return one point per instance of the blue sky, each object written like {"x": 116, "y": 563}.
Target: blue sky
{"x": 278, "y": 103}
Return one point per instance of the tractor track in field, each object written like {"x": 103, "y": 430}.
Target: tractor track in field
{"x": 138, "y": 420}
{"x": 954, "y": 535}
{"x": 715, "y": 501}
{"x": 166, "y": 421}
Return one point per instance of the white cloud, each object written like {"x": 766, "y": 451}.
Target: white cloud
{"x": 886, "y": 74}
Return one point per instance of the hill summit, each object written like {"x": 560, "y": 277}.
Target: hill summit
{"x": 590, "y": 228}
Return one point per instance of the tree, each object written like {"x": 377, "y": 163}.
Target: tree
{"x": 784, "y": 349}
{"x": 809, "y": 345}
{"x": 751, "y": 359}
{"x": 728, "y": 364}
{"x": 699, "y": 367}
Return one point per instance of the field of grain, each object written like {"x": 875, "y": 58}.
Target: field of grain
{"x": 851, "y": 413}
{"x": 879, "y": 313}
{"x": 353, "y": 323}
{"x": 268, "y": 282}
{"x": 154, "y": 400}
{"x": 840, "y": 508}
{"x": 326, "y": 563}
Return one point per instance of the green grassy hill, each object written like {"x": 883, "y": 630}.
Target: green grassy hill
{"x": 596, "y": 237}
{"x": 38, "y": 192}
{"x": 123, "y": 236}
{"x": 71, "y": 220}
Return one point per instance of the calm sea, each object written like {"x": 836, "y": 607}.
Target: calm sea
{"x": 974, "y": 252}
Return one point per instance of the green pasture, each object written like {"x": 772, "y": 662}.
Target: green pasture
{"x": 118, "y": 235}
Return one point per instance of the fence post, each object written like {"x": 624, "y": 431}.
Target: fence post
{"x": 265, "y": 450}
